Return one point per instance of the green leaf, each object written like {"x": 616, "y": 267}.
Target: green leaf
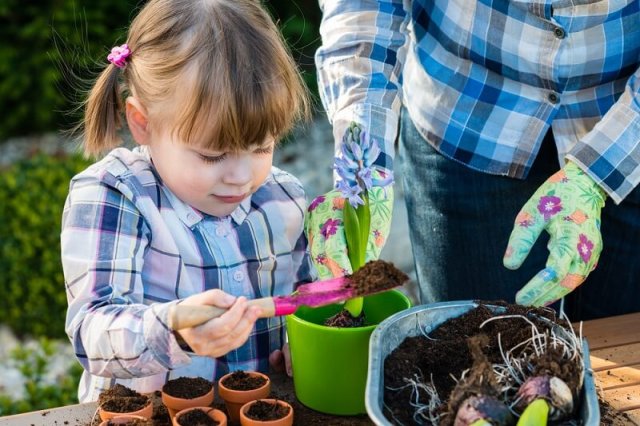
{"x": 364, "y": 219}
{"x": 535, "y": 414}
{"x": 357, "y": 222}
{"x": 352, "y": 234}
{"x": 354, "y": 306}
{"x": 481, "y": 422}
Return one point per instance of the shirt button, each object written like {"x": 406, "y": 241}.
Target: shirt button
{"x": 220, "y": 231}
{"x": 559, "y": 32}
{"x": 553, "y": 98}
{"x": 238, "y": 275}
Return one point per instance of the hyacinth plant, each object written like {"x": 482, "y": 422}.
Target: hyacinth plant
{"x": 358, "y": 177}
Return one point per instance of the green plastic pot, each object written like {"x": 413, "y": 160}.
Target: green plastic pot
{"x": 329, "y": 363}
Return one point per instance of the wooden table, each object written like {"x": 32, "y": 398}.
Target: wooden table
{"x": 614, "y": 345}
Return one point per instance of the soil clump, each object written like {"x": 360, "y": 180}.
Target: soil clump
{"x": 121, "y": 399}
{"x": 187, "y": 387}
{"x": 344, "y": 319}
{"x": 374, "y": 277}
{"x": 196, "y": 418}
{"x": 263, "y": 410}
{"x": 240, "y": 380}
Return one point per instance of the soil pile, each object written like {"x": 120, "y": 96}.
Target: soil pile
{"x": 240, "y": 380}
{"x": 266, "y": 411}
{"x": 196, "y": 418}
{"x": 187, "y": 387}
{"x": 374, "y": 277}
{"x": 121, "y": 399}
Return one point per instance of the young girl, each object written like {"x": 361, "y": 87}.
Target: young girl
{"x": 195, "y": 214}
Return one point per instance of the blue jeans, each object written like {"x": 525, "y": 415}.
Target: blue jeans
{"x": 460, "y": 220}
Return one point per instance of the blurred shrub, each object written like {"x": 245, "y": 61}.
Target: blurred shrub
{"x": 40, "y": 39}
{"x": 299, "y": 22}
{"x": 40, "y": 393}
{"x": 50, "y": 45}
{"x": 32, "y": 194}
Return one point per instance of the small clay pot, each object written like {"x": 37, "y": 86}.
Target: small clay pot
{"x": 235, "y": 399}
{"x": 248, "y": 421}
{"x": 146, "y": 412}
{"x": 175, "y": 404}
{"x": 122, "y": 420}
{"x": 216, "y": 415}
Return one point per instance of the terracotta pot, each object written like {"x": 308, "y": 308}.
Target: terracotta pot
{"x": 121, "y": 420}
{"x": 235, "y": 399}
{"x": 216, "y": 415}
{"x": 330, "y": 363}
{"x": 145, "y": 412}
{"x": 284, "y": 421}
{"x": 175, "y": 404}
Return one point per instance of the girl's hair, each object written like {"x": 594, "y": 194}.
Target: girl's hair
{"x": 218, "y": 68}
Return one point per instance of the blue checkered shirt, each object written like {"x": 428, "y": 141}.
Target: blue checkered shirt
{"x": 131, "y": 249}
{"x": 484, "y": 80}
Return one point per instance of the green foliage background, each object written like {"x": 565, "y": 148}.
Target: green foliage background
{"x": 48, "y": 46}
{"x": 32, "y": 194}
{"x": 39, "y": 38}
{"x": 33, "y": 364}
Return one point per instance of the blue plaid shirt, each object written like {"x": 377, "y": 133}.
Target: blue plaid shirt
{"x": 484, "y": 80}
{"x": 131, "y": 249}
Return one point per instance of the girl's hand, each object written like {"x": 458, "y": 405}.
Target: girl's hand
{"x": 225, "y": 333}
{"x": 280, "y": 360}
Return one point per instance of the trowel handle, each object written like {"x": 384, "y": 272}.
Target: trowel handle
{"x": 188, "y": 316}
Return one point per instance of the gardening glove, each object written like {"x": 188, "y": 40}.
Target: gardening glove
{"x": 325, "y": 230}
{"x": 568, "y": 207}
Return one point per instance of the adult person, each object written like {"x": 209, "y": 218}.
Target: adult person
{"x": 490, "y": 99}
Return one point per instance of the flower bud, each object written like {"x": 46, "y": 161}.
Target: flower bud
{"x": 482, "y": 407}
{"x": 553, "y": 389}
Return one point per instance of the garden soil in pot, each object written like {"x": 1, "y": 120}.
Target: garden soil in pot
{"x": 458, "y": 359}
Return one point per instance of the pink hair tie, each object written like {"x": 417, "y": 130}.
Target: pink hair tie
{"x": 119, "y": 55}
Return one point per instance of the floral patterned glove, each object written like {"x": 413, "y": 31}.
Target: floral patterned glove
{"x": 568, "y": 207}
{"x": 324, "y": 225}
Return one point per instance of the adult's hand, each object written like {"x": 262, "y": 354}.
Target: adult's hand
{"x": 324, "y": 225}
{"x": 568, "y": 207}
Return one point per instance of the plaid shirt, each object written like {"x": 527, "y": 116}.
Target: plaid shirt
{"x": 484, "y": 81}
{"x": 131, "y": 249}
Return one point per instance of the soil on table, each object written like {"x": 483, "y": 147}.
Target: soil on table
{"x": 611, "y": 417}
{"x": 242, "y": 381}
{"x": 456, "y": 346}
{"x": 196, "y": 418}
{"x": 374, "y": 277}
{"x": 121, "y": 399}
{"x": 187, "y": 387}
{"x": 160, "y": 416}
{"x": 266, "y": 411}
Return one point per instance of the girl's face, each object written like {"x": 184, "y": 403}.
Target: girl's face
{"x": 212, "y": 182}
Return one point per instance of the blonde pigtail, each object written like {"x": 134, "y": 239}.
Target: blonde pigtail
{"x": 104, "y": 109}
